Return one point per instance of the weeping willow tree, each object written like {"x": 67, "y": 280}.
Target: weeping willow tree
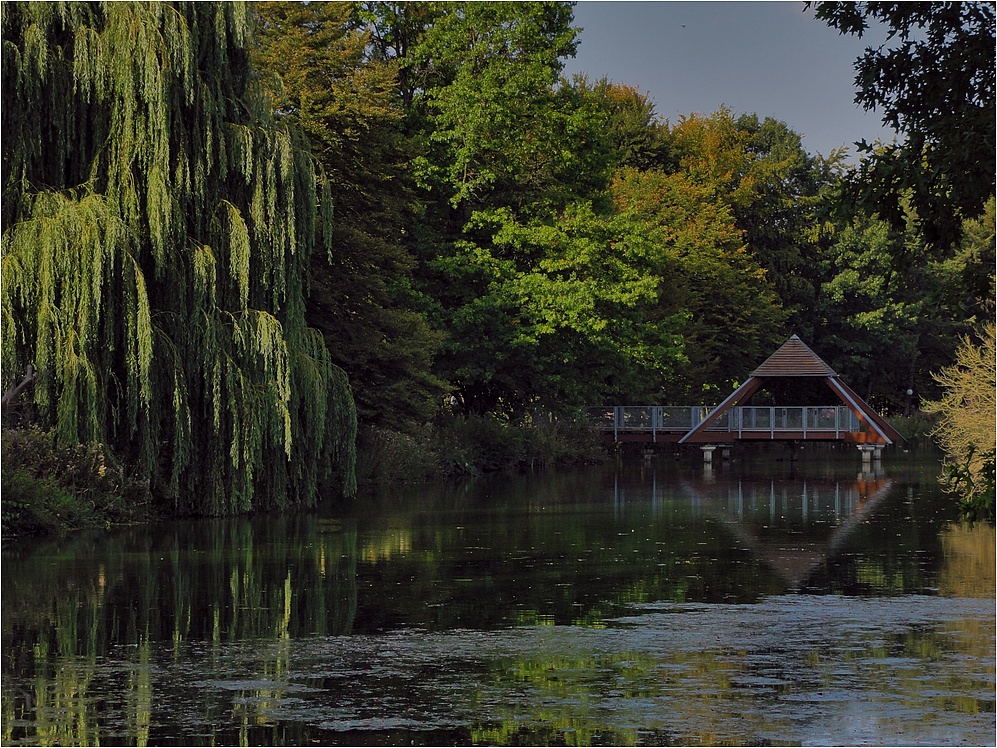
{"x": 157, "y": 229}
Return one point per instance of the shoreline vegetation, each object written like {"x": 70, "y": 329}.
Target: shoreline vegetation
{"x": 51, "y": 490}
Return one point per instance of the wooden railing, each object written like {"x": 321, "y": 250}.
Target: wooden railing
{"x": 751, "y": 419}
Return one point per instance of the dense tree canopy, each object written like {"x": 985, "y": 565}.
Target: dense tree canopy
{"x": 729, "y": 309}
{"x": 776, "y": 191}
{"x": 935, "y": 84}
{"x": 347, "y": 106}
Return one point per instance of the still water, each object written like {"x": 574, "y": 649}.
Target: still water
{"x": 762, "y": 602}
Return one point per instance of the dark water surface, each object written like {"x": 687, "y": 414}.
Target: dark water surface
{"x": 762, "y": 603}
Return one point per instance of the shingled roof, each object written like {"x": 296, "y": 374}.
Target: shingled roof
{"x": 794, "y": 359}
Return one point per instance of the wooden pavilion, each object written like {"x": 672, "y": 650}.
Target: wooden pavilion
{"x": 736, "y": 420}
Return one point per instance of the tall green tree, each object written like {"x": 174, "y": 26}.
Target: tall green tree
{"x": 885, "y": 329}
{"x": 730, "y": 311}
{"x": 157, "y": 230}
{"x": 492, "y": 68}
{"x": 326, "y": 82}
{"x": 550, "y": 294}
{"x": 934, "y": 82}
{"x": 477, "y": 80}
{"x": 779, "y": 196}
{"x": 873, "y": 321}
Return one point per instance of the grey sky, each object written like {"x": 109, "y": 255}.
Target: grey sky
{"x": 768, "y": 58}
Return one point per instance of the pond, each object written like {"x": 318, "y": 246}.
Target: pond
{"x": 761, "y": 602}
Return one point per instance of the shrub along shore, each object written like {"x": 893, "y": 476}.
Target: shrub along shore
{"x": 47, "y": 489}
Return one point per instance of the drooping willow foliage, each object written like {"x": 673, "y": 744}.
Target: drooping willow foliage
{"x": 157, "y": 229}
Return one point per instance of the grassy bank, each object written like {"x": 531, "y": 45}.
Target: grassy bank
{"x": 47, "y": 488}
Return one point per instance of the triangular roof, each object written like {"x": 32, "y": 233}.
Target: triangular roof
{"x": 794, "y": 359}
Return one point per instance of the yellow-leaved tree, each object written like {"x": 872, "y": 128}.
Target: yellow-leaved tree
{"x": 968, "y": 427}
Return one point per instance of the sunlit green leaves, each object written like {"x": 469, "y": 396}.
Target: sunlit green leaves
{"x": 493, "y": 66}
{"x": 731, "y": 311}
{"x": 157, "y": 232}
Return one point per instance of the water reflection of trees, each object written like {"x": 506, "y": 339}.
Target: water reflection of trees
{"x": 830, "y": 533}
{"x": 183, "y": 584}
{"x": 83, "y": 620}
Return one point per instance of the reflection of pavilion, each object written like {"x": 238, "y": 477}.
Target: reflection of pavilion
{"x": 794, "y": 525}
